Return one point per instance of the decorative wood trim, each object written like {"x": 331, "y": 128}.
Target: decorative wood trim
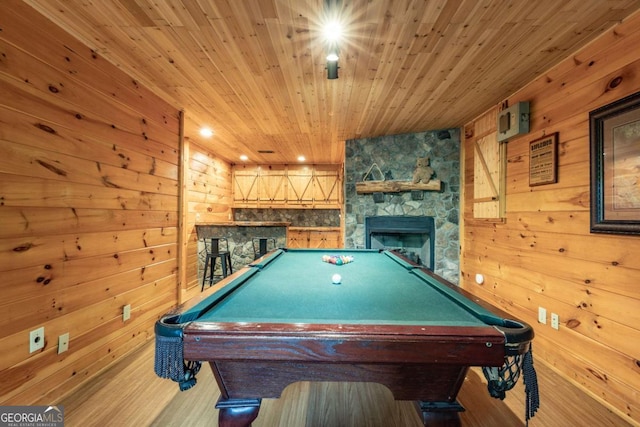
{"x": 366, "y": 187}
{"x": 284, "y": 186}
{"x": 183, "y": 206}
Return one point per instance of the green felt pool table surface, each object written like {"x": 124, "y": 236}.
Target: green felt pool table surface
{"x": 295, "y": 286}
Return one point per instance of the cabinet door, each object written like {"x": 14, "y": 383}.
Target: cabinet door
{"x": 298, "y": 239}
{"x": 324, "y": 239}
{"x": 333, "y": 239}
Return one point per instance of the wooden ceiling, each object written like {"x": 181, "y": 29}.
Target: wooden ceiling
{"x": 254, "y": 70}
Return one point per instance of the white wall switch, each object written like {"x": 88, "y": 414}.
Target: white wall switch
{"x": 126, "y": 312}
{"x": 36, "y": 339}
{"x": 63, "y": 343}
{"x": 542, "y": 315}
{"x": 555, "y": 321}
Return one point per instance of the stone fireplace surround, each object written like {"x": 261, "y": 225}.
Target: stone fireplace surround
{"x": 396, "y": 156}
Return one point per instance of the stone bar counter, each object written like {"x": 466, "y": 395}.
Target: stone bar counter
{"x": 239, "y": 235}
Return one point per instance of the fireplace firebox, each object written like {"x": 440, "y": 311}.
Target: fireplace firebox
{"x": 412, "y": 236}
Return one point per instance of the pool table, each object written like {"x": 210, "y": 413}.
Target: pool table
{"x": 282, "y": 319}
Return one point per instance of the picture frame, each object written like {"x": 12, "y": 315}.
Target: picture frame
{"x": 614, "y": 133}
{"x": 543, "y": 160}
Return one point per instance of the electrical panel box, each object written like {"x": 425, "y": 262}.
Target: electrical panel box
{"x": 513, "y": 121}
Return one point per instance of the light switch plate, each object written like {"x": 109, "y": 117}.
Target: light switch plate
{"x": 63, "y": 343}
{"x": 542, "y": 315}
{"x": 555, "y": 321}
{"x": 126, "y": 312}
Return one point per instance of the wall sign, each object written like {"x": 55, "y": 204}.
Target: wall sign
{"x": 543, "y": 160}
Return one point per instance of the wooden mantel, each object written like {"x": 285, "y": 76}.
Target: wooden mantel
{"x": 366, "y": 187}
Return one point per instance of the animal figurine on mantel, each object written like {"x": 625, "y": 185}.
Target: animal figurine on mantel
{"x": 423, "y": 172}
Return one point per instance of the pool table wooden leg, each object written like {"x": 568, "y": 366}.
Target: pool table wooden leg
{"x": 237, "y": 412}
{"x": 439, "y": 414}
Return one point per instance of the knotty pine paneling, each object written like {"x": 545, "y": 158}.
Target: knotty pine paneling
{"x": 256, "y": 68}
{"x": 89, "y": 167}
{"x": 543, "y": 254}
{"x": 209, "y": 200}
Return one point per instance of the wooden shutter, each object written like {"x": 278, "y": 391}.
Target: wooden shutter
{"x": 489, "y": 177}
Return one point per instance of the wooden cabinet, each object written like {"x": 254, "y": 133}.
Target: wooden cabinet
{"x": 314, "y": 237}
{"x": 284, "y": 186}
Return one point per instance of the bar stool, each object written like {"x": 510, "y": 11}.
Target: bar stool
{"x": 261, "y": 246}
{"x": 216, "y": 247}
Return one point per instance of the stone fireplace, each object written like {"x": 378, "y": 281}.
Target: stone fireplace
{"x": 396, "y": 157}
{"x": 412, "y": 236}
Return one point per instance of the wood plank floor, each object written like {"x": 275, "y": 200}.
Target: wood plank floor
{"x": 129, "y": 394}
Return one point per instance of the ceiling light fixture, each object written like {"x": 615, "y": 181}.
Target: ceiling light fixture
{"x": 206, "y": 132}
{"x": 332, "y": 64}
{"x": 332, "y": 32}
{"x": 301, "y": 158}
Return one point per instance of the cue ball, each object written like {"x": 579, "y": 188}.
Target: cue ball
{"x": 335, "y": 279}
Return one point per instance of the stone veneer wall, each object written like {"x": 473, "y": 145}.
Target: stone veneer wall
{"x": 396, "y": 156}
{"x": 296, "y": 217}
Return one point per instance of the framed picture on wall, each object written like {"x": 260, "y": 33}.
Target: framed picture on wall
{"x": 614, "y": 131}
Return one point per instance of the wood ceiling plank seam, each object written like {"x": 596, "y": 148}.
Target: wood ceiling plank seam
{"x": 221, "y": 54}
{"x": 394, "y": 98}
{"x": 455, "y": 56}
{"x": 138, "y": 15}
{"x": 197, "y": 14}
{"x": 319, "y": 101}
{"x": 309, "y": 58}
{"x": 152, "y": 11}
{"x": 221, "y": 62}
{"x": 380, "y": 81}
{"x": 439, "y": 88}
{"x": 246, "y": 31}
{"x": 431, "y": 64}
{"x": 295, "y": 114}
{"x": 366, "y": 67}
{"x": 180, "y": 13}
{"x": 464, "y": 62}
{"x": 296, "y": 95}
{"x": 442, "y": 21}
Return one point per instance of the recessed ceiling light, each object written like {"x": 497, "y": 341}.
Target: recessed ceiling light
{"x": 244, "y": 157}
{"x": 301, "y": 158}
{"x": 206, "y": 132}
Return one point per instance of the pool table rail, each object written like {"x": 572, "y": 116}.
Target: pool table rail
{"x": 484, "y": 346}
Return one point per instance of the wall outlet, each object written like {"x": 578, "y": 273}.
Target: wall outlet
{"x": 63, "y": 343}
{"x": 555, "y": 321}
{"x": 542, "y": 315}
{"x": 36, "y": 339}
{"x": 126, "y": 312}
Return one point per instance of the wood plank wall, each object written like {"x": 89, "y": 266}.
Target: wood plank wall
{"x": 209, "y": 200}
{"x": 543, "y": 255}
{"x": 89, "y": 208}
